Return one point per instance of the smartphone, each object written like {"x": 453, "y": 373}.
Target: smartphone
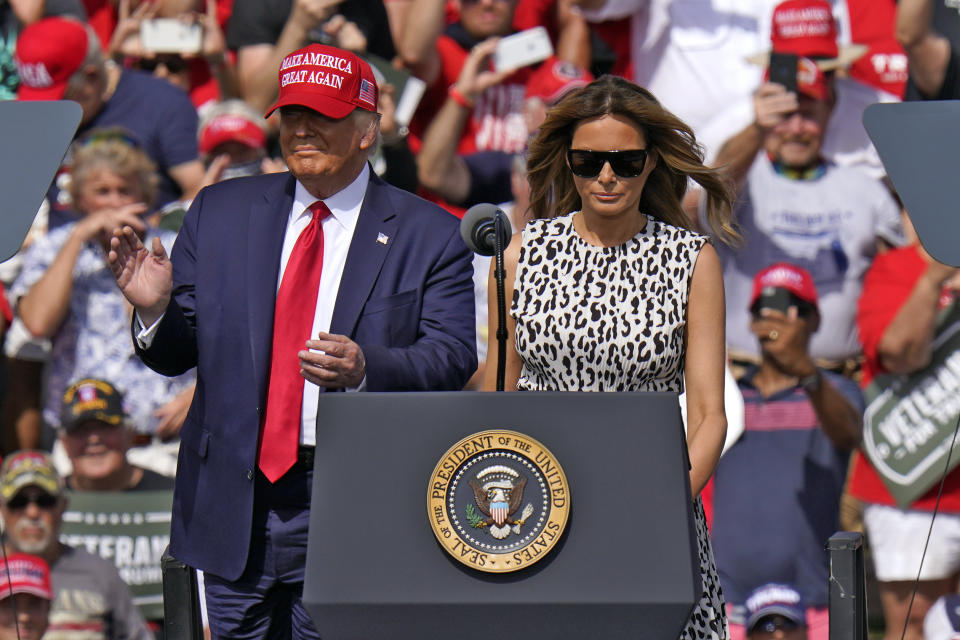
{"x": 783, "y": 70}
{"x": 522, "y": 49}
{"x": 774, "y": 298}
{"x": 169, "y": 35}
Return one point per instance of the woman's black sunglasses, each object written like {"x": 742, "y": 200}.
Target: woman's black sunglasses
{"x": 589, "y": 164}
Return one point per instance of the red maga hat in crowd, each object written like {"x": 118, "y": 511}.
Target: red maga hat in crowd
{"x": 49, "y": 51}
{"x": 556, "y": 78}
{"x": 328, "y": 80}
{"x": 784, "y": 275}
{"x": 807, "y": 29}
{"x": 231, "y": 127}
{"x": 22, "y": 573}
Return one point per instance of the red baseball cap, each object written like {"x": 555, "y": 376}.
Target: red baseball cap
{"x": 556, "y": 78}
{"x": 784, "y": 275}
{"x": 22, "y": 573}
{"x": 328, "y": 80}
{"x": 231, "y": 128}
{"x": 807, "y": 29}
{"x": 49, "y": 51}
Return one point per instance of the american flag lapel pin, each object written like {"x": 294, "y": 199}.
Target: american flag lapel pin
{"x": 383, "y": 238}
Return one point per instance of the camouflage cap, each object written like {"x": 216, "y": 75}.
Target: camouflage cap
{"x": 29, "y": 468}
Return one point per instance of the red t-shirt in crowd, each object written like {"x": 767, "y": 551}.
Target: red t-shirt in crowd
{"x": 5, "y": 311}
{"x": 616, "y": 34}
{"x": 527, "y": 15}
{"x": 534, "y": 13}
{"x": 886, "y": 287}
{"x": 873, "y": 23}
{"x": 496, "y": 123}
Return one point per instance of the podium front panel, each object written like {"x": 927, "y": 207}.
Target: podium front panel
{"x": 625, "y": 567}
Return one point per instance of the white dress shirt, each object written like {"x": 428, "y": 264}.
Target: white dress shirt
{"x": 337, "y": 234}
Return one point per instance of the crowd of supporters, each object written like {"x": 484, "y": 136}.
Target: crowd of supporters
{"x": 830, "y": 296}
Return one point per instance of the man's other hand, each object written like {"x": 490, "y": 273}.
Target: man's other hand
{"x": 333, "y": 361}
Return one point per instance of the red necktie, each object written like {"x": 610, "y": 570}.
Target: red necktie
{"x": 292, "y": 324}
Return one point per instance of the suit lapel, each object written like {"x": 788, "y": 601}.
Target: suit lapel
{"x": 267, "y": 227}
{"x": 374, "y": 235}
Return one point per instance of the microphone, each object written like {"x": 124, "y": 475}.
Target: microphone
{"x": 478, "y": 228}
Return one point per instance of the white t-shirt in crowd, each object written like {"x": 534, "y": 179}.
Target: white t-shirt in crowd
{"x": 828, "y": 226}
{"x": 691, "y": 54}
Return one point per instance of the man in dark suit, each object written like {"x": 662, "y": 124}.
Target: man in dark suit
{"x": 379, "y": 278}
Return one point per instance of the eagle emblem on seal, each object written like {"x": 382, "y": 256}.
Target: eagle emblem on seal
{"x": 498, "y": 493}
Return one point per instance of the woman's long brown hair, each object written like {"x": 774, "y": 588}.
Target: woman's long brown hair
{"x": 679, "y": 157}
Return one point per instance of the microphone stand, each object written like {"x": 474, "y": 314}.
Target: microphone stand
{"x": 500, "y": 274}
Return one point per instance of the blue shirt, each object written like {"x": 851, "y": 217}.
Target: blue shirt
{"x": 159, "y": 117}
{"x": 777, "y": 495}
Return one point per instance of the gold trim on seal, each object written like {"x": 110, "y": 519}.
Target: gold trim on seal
{"x": 491, "y": 466}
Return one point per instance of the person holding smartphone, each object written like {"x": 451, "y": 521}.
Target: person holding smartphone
{"x": 184, "y": 46}
{"x": 776, "y": 491}
{"x": 795, "y": 204}
{"x": 490, "y": 102}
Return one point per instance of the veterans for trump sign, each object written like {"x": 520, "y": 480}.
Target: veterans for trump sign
{"x": 910, "y": 420}
{"x": 131, "y": 530}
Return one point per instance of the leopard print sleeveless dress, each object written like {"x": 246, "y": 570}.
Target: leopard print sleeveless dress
{"x": 594, "y": 318}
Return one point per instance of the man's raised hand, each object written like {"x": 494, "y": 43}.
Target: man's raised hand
{"x": 144, "y": 276}
{"x": 772, "y": 103}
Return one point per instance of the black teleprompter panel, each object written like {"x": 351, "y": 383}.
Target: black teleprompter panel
{"x": 626, "y": 567}
{"x": 919, "y": 144}
{"x": 35, "y": 136}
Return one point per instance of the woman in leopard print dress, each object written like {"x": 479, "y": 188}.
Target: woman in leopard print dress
{"x": 605, "y": 296}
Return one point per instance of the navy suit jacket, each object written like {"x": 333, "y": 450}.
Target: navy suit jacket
{"x": 406, "y": 298}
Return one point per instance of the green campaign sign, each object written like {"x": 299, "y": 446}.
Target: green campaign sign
{"x": 910, "y": 420}
{"x": 131, "y": 530}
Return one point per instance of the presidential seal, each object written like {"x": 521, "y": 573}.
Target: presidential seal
{"x": 498, "y": 501}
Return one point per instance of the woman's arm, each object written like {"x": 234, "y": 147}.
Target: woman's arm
{"x": 45, "y": 305}
{"x": 705, "y": 362}
{"x": 513, "y": 363}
